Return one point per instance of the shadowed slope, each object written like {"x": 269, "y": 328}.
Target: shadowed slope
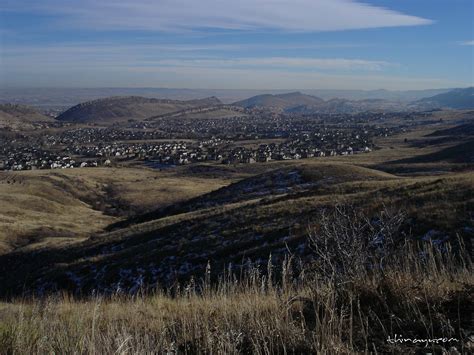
{"x": 248, "y": 219}
{"x": 118, "y": 109}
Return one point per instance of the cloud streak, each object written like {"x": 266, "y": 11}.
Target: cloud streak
{"x": 279, "y": 62}
{"x": 467, "y": 43}
{"x": 129, "y": 65}
{"x": 191, "y": 56}
{"x": 179, "y": 15}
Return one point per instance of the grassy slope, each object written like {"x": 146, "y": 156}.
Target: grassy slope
{"x": 266, "y": 209}
{"x": 252, "y": 218}
{"x": 296, "y": 315}
{"x": 44, "y": 207}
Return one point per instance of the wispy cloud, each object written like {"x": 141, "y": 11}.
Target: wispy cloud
{"x": 104, "y": 64}
{"x": 163, "y": 48}
{"x": 467, "y": 43}
{"x": 172, "y": 15}
{"x": 279, "y": 62}
{"x": 189, "y": 56}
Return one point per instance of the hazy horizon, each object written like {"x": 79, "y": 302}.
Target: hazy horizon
{"x": 286, "y": 89}
{"x": 54, "y": 97}
{"x": 260, "y": 45}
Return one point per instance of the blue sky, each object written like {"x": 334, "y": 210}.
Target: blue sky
{"x": 245, "y": 44}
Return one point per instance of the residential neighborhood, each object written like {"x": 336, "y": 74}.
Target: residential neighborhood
{"x": 172, "y": 142}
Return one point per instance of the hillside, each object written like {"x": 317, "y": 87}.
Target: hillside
{"x": 457, "y": 153}
{"x": 281, "y": 102}
{"x": 203, "y": 112}
{"x": 170, "y": 223}
{"x": 68, "y": 97}
{"x": 259, "y": 215}
{"x": 391, "y": 95}
{"x": 456, "y": 99}
{"x": 83, "y": 201}
{"x": 119, "y": 109}
{"x": 456, "y": 131}
{"x": 297, "y": 102}
{"x": 244, "y": 258}
{"x": 20, "y": 116}
{"x": 366, "y": 105}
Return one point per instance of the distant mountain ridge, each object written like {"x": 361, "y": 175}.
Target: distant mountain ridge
{"x": 119, "y": 109}
{"x": 297, "y": 102}
{"x": 68, "y": 97}
{"x": 383, "y": 94}
{"x": 457, "y": 99}
{"x": 124, "y": 108}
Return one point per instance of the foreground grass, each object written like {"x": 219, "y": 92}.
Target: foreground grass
{"x": 300, "y": 312}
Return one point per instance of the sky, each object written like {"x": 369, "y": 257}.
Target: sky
{"x": 244, "y": 44}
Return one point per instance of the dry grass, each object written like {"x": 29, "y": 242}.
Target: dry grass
{"x": 82, "y": 201}
{"x": 421, "y": 291}
{"x": 57, "y": 207}
{"x": 44, "y": 209}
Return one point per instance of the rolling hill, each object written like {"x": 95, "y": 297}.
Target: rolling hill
{"x": 119, "y": 109}
{"x": 458, "y": 153}
{"x": 68, "y": 97}
{"x": 466, "y": 129}
{"x": 83, "y": 201}
{"x": 366, "y": 105}
{"x": 281, "y": 102}
{"x": 456, "y": 99}
{"x": 391, "y": 95}
{"x": 249, "y": 219}
{"x": 20, "y": 116}
{"x": 296, "y": 102}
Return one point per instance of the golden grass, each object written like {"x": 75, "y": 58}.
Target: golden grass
{"x": 51, "y": 207}
{"x": 35, "y": 209}
{"x": 293, "y": 313}
{"x": 44, "y": 208}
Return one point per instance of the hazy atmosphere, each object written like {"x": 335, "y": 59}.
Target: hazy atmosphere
{"x": 249, "y": 44}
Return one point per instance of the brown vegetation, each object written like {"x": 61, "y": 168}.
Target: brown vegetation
{"x": 419, "y": 291}
{"x": 348, "y": 293}
{"x": 48, "y": 207}
{"x": 18, "y": 117}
